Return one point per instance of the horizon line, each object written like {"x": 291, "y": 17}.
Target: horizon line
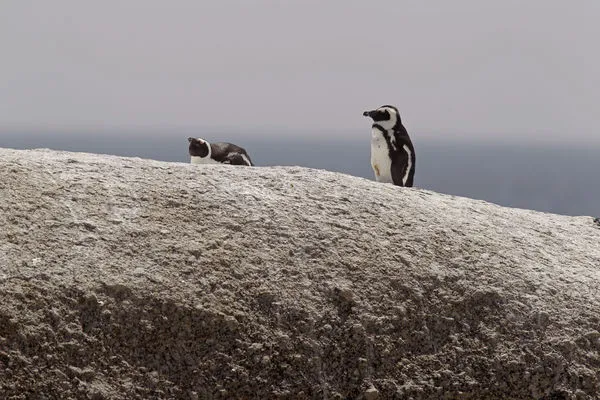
{"x": 312, "y": 134}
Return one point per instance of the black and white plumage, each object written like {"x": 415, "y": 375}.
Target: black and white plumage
{"x": 392, "y": 152}
{"x": 203, "y": 152}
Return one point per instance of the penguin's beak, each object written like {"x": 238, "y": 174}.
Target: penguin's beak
{"x": 369, "y": 113}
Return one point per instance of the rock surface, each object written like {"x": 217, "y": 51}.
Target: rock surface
{"x": 124, "y": 278}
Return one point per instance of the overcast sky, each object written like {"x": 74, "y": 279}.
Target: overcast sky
{"x": 502, "y": 68}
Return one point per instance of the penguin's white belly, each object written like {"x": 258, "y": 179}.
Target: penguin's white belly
{"x": 203, "y": 160}
{"x": 380, "y": 157}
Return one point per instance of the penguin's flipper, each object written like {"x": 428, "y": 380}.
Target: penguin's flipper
{"x": 399, "y": 167}
{"x": 237, "y": 159}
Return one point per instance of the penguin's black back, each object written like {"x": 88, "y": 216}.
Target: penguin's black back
{"x": 399, "y": 157}
{"x": 229, "y": 153}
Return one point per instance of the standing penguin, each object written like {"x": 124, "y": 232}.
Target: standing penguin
{"x": 392, "y": 152}
{"x": 202, "y": 152}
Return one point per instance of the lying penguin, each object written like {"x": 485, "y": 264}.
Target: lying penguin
{"x": 202, "y": 152}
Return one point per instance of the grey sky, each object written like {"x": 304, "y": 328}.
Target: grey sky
{"x": 470, "y": 67}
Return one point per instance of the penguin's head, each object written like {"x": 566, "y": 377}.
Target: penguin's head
{"x": 199, "y": 147}
{"x": 385, "y": 116}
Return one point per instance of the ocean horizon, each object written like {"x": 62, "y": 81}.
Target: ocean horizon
{"x": 542, "y": 177}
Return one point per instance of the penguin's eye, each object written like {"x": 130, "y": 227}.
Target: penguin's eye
{"x": 385, "y": 114}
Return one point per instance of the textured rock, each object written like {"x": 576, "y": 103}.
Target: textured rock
{"x": 124, "y": 278}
